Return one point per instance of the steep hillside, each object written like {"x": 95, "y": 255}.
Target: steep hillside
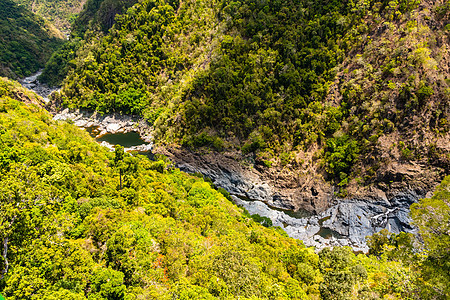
{"x": 26, "y": 40}
{"x": 397, "y": 87}
{"x": 350, "y": 94}
{"x": 79, "y": 222}
{"x": 99, "y": 15}
{"x": 96, "y": 18}
{"x": 60, "y": 13}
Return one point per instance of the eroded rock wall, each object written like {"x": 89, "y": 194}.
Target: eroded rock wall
{"x": 332, "y": 221}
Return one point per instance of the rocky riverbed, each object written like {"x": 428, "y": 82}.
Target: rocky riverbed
{"x": 32, "y": 83}
{"x": 103, "y": 124}
{"x": 107, "y": 124}
{"x": 347, "y": 223}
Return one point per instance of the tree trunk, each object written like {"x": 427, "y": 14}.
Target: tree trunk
{"x": 4, "y": 254}
{"x": 120, "y": 176}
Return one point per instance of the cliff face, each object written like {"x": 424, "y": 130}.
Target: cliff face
{"x": 303, "y": 188}
{"x": 322, "y": 218}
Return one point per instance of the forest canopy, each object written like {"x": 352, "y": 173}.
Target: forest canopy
{"x": 61, "y": 13}
{"x": 274, "y": 78}
{"x": 80, "y": 222}
{"x": 342, "y": 81}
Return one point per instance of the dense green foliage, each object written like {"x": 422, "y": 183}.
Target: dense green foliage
{"x": 429, "y": 256}
{"x": 98, "y": 15}
{"x": 59, "y": 13}
{"x": 60, "y": 62}
{"x": 269, "y": 77}
{"x": 276, "y": 77}
{"x": 77, "y": 222}
{"x": 26, "y": 40}
{"x": 432, "y": 216}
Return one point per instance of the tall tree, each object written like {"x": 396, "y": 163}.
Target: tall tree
{"x": 118, "y": 161}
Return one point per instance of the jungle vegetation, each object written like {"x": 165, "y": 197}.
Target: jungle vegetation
{"x": 275, "y": 78}
{"x": 270, "y": 79}
{"x": 60, "y": 13}
{"x": 80, "y": 222}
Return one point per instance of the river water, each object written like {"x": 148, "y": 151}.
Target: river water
{"x": 126, "y": 139}
{"x": 115, "y": 131}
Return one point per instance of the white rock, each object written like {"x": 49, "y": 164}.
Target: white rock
{"x": 113, "y": 127}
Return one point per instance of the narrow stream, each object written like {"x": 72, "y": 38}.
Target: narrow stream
{"x": 32, "y": 83}
{"x": 109, "y": 133}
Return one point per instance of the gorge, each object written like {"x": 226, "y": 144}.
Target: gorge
{"x": 310, "y": 212}
{"x": 251, "y": 149}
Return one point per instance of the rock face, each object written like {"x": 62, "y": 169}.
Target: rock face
{"x": 242, "y": 177}
{"x": 344, "y": 224}
{"x": 304, "y": 206}
{"x": 308, "y": 209}
{"x": 302, "y": 203}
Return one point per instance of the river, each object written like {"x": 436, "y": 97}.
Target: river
{"x": 346, "y": 223}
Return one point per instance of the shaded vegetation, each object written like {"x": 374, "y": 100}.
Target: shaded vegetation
{"x": 98, "y": 15}
{"x": 26, "y": 40}
{"x": 60, "y": 13}
{"x": 95, "y": 18}
{"x": 60, "y": 62}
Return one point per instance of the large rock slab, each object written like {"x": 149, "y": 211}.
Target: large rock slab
{"x": 347, "y": 223}
{"x": 308, "y": 208}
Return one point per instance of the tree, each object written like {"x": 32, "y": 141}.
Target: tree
{"x": 432, "y": 216}
{"x": 340, "y": 272}
{"x": 108, "y": 284}
{"x": 118, "y": 161}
